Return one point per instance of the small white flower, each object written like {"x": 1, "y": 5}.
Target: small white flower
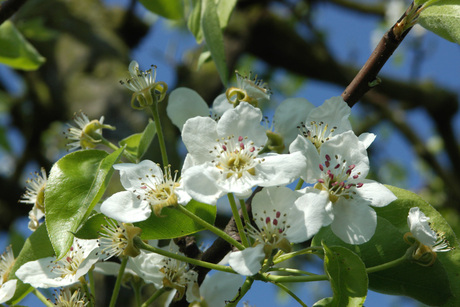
{"x": 144, "y": 85}
{"x": 430, "y": 242}
{"x": 280, "y": 221}
{"x": 6, "y": 263}
{"x": 35, "y": 195}
{"x": 224, "y": 156}
{"x": 147, "y": 189}
{"x": 49, "y": 272}
{"x": 167, "y": 272}
{"x": 341, "y": 172}
{"x": 66, "y": 298}
{"x": 87, "y": 134}
{"x": 117, "y": 239}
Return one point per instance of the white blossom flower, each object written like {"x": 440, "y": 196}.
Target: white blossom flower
{"x": 280, "y": 221}
{"x": 248, "y": 89}
{"x": 144, "y": 85}
{"x": 116, "y": 239}
{"x": 167, "y": 272}
{"x": 35, "y": 195}
{"x": 147, "y": 189}
{"x": 87, "y": 134}
{"x": 219, "y": 288}
{"x": 49, "y": 272}
{"x": 67, "y": 298}
{"x": 224, "y": 156}
{"x": 429, "y": 241}
{"x": 341, "y": 172}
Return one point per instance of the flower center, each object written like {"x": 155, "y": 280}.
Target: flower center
{"x": 70, "y": 263}
{"x": 317, "y": 132}
{"x": 272, "y": 229}
{"x": 159, "y": 192}
{"x": 338, "y": 178}
{"x": 236, "y": 157}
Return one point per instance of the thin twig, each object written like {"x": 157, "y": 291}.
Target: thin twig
{"x": 8, "y": 8}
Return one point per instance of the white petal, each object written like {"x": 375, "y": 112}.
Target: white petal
{"x": 419, "y": 227}
{"x": 130, "y": 174}
{"x": 185, "y": 103}
{"x": 374, "y": 193}
{"x": 309, "y": 215}
{"x": 248, "y": 261}
{"x": 244, "y": 120}
{"x": 147, "y": 266}
{"x": 200, "y": 183}
{"x": 7, "y": 290}
{"x": 334, "y": 112}
{"x": 219, "y": 288}
{"x": 367, "y": 138}
{"x": 289, "y": 115}
{"x": 199, "y": 136}
{"x": 311, "y": 172}
{"x": 220, "y": 105}
{"x": 126, "y": 207}
{"x": 354, "y": 224}
{"x": 278, "y": 169}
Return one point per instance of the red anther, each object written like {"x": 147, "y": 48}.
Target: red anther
{"x": 275, "y": 222}
{"x": 224, "y": 147}
{"x": 278, "y": 214}
{"x": 328, "y": 158}
{"x": 321, "y": 167}
{"x": 351, "y": 166}
{"x": 337, "y": 166}
{"x": 342, "y": 184}
{"x": 71, "y": 248}
{"x": 348, "y": 186}
{"x": 267, "y": 220}
{"x": 242, "y": 145}
{"x": 143, "y": 187}
{"x": 359, "y": 185}
{"x": 252, "y": 149}
{"x": 355, "y": 176}
{"x": 68, "y": 259}
{"x": 327, "y": 163}
{"x": 240, "y": 138}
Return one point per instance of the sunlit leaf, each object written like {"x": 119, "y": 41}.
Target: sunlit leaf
{"x": 137, "y": 144}
{"x": 15, "y": 51}
{"x": 214, "y": 39}
{"x": 434, "y": 285}
{"x": 171, "y": 9}
{"x": 443, "y": 18}
{"x": 76, "y": 183}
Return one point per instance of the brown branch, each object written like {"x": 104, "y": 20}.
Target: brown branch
{"x": 8, "y": 8}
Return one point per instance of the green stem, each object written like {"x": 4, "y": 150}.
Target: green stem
{"x": 210, "y": 227}
{"x": 155, "y": 295}
{"x": 292, "y": 271}
{"x": 286, "y": 289}
{"x": 276, "y": 279}
{"x": 241, "y": 292}
{"x": 299, "y": 184}
{"x": 239, "y": 223}
{"x": 116, "y": 288}
{"x": 307, "y": 250}
{"x": 42, "y": 298}
{"x": 140, "y": 244}
{"x": 161, "y": 140}
{"x": 137, "y": 292}
{"x": 88, "y": 294}
{"x": 387, "y": 265}
{"x": 244, "y": 210}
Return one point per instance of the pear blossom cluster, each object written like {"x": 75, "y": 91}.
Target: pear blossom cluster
{"x": 230, "y": 152}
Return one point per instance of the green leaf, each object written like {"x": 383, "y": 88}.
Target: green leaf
{"x": 434, "y": 285}
{"x": 443, "y": 18}
{"x": 212, "y": 33}
{"x": 15, "y": 51}
{"x": 36, "y": 246}
{"x": 90, "y": 229}
{"x": 138, "y": 144}
{"x": 175, "y": 224}
{"x": 76, "y": 183}
{"x": 194, "y": 21}
{"x": 170, "y": 9}
{"x": 347, "y": 275}
{"x": 224, "y": 10}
